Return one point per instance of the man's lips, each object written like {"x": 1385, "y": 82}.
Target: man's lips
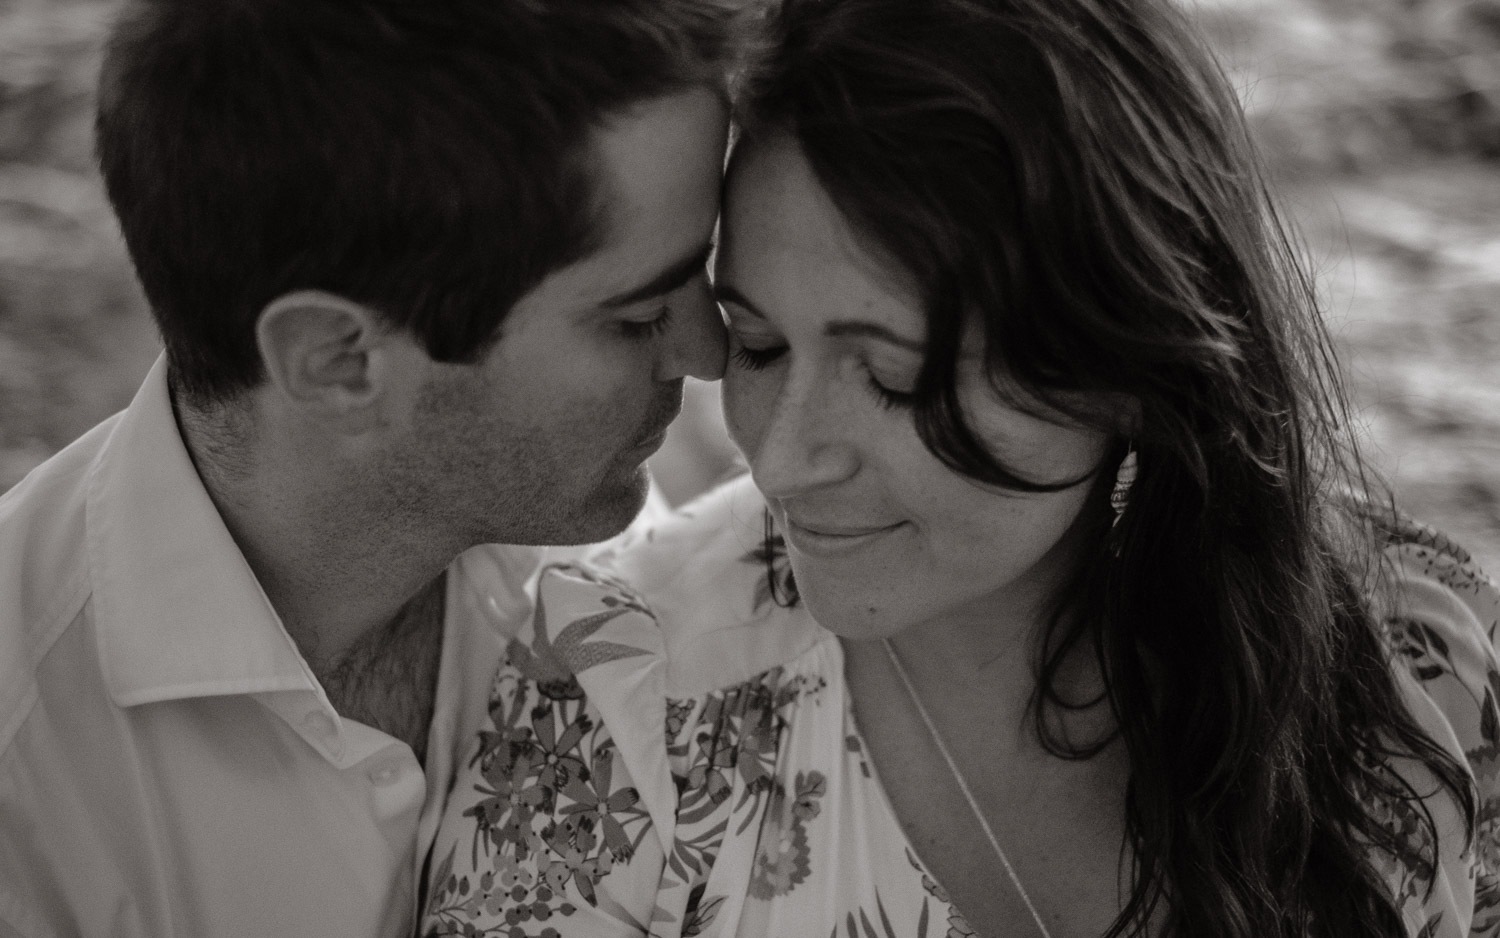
{"x": 653, "y": 440}
{"x": 657, "y": 435}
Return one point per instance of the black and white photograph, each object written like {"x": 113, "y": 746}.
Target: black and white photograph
{"x": 749, "y": 468}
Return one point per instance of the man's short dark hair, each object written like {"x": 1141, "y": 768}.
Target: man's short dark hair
{"x": 427, "y": 158}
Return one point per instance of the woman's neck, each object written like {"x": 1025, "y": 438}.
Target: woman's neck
{"x": 992, "y": 660}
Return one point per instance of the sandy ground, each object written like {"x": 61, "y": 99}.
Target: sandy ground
{"x": 1401, "y": 217}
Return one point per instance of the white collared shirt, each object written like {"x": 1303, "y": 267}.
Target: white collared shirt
{"x": 169, "y": 766}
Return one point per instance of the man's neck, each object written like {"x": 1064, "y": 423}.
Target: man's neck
{"x": 336, "y": 569}
{"x": 389, "y": 679}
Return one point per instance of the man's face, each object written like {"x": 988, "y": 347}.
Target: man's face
{"x": 544, "y": 441}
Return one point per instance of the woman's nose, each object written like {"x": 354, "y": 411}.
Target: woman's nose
{"x": 807, "y": 443}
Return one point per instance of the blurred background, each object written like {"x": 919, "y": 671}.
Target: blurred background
{"x": 1380, "y": 119}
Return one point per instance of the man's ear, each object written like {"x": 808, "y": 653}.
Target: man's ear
{"x": 327, "y": 356}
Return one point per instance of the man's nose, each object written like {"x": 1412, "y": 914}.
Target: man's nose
{"x": 807, "y": 443}
{"x": 697, "y": 346}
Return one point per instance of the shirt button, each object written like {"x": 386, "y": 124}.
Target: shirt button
{"x": 384, "y": 775}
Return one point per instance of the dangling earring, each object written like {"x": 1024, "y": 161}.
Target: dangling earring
{"x": 1124, "y": 479}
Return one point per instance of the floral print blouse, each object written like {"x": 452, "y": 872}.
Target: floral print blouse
{"x": 673, "y": 753}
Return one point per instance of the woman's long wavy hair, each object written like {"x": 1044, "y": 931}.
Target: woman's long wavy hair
{"x": 1075, "y": 177}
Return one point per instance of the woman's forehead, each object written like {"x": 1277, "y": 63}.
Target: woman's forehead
{"x": 783, "y": 234}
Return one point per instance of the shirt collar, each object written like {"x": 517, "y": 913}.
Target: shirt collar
{"x": 179, "y": 612}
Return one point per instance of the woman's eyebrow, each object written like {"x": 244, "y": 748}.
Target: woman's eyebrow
{"x": 726, "y": 293}
{"x": 870, "y": 330}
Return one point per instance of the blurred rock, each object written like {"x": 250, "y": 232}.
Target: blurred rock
{"x": 75, "y": 337}
{"x": 1348, "y": 87}
{"x": 1408, "y": 265}
{"x": 49, "y": 60}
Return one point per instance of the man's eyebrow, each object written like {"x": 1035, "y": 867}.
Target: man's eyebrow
{"x": 665, "y": 282}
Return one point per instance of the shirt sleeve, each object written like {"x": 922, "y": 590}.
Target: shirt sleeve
{"x": 1442, "y": 617}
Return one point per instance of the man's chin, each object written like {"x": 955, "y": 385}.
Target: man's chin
{"x": 608, "y": 511}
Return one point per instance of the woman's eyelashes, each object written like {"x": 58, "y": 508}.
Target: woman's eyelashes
{"x": 755, "y": 359}
{"x": 758, "y": 359}
{"x": 888, "y": 398}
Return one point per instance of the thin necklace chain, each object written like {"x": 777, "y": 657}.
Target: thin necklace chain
{"x": 963, "y": 786}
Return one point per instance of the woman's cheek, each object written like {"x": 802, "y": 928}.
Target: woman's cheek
{"x": 745, "y": 409}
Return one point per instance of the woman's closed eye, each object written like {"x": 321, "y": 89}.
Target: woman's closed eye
{"x": 753, "y": 348}
{"x": 755, "y": 359}
{"x": 888, "y": 397}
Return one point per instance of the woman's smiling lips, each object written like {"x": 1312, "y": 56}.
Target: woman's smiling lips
{"x": 831, "y": 540}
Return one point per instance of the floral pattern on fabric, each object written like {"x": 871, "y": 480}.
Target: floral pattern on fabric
{"x": 957, "y": 927}
{"x": 1456, "y": 667}
{"x": 731, "y": 744}
{"x": 549, "y": 822}
{"x": 782, "y": 862}
{"x": 550, "y": 816}
{"x": 608, "y": 799}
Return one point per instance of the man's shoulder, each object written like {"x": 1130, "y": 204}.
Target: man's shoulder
{"x": 719, "y": 528}
{"x": 708, "y": 546}
{"x": 44, "y": 579}
{"x": 718, "y": 584}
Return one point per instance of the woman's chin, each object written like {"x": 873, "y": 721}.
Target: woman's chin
{"x": 846, "y": 616}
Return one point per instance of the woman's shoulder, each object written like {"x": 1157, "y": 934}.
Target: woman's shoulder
{"x": 1438, "y": 580}
{"x": 713, "y": 578}
{"x": 1440, "y": 613}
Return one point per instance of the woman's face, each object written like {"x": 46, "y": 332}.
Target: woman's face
{"x": 825, "y": 346}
